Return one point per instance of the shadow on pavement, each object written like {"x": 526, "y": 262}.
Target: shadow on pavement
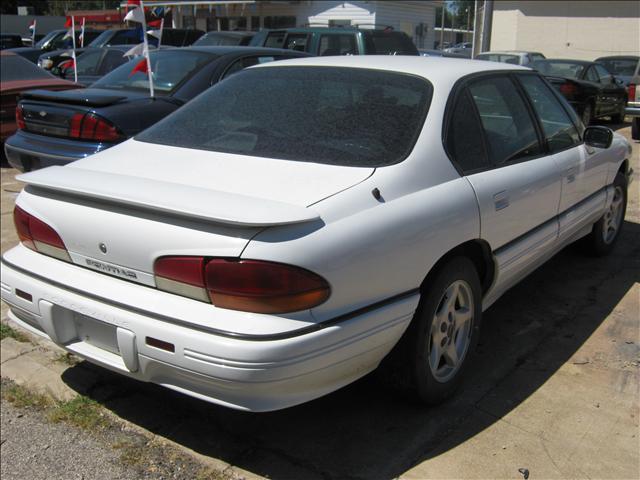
{"x": 368, "y": 431}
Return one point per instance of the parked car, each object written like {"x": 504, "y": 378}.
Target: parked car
{"x": 439, "y": 53}
{"x": 94, "y": 63}
{"x": 633, "y": 103}
{"x": 259, "y": 253}
{"x": 464, "y": 48}
{"x": 121, "y": 36}
{"x": 60, "y": 127}
{"x": 18, "y": 75}
{"x": 10, "y": 40}
{"x": 54, "y": 40}
{"x": 622, "y": 66}
{"x": 525, "y": 59}
{"x": 324, "y": 41}
{"x": 590, "y": 89}
{"x": 225, "y": 38}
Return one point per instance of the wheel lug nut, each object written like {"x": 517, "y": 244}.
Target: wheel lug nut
{"x": 443, "y": 327}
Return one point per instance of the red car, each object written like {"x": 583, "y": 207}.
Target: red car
{"x": 17, "y": 75}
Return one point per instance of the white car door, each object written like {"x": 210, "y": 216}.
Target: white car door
{"x": 516, "y": 184}
{"x": 583, "y": 172}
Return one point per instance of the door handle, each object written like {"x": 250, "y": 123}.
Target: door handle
{"x": 501, "y": 200}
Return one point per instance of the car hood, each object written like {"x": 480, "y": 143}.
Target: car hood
{"x": 228, "y": 188}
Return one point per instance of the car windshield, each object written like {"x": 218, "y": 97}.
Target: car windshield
{"x": 14, "y": 67}
{"x": 217, "y": 39}
{"x": 329, "y": 115}
{"x": 555, "y": 68}
{"x": 624, "y": 67}
{"x": 169, "y": 67}
{"x": 46, "y": 38}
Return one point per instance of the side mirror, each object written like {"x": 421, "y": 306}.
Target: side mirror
{"x": 618, "y": 81}
{"x": 598, "y": 137}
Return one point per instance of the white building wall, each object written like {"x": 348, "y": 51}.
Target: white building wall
{"x": 567, "y": 28}
{"x": 406, "y": 16}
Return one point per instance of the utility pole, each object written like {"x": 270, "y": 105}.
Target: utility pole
{"x": 487, "y": 17}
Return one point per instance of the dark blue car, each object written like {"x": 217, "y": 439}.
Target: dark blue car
{"x": 56, "y": 128}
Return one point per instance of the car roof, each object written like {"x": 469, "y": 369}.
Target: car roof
{"x": 436, "y": 69}
{"x": 230, "y": 49}
{"x": 618, "y": 57}
{"x": 567, "y": 60}
{"x": 230, "y": 33}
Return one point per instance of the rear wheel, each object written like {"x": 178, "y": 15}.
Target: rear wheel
{"x": 606, "y": 231}
{"x": 444, "y": 332}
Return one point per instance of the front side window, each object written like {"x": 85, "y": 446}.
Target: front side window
{"x": 508, "y": 126}
{"x": 559, "y": 131}
{"x": 328, "y": 115}
{"x": 297, "y": 42}
{"x": 275, "y": 40}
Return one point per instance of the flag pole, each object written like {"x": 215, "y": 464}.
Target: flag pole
{"x": 33, "y": 33}
{"x": 161, "y": 29}
{"x": 146, "y": 49}
{"x": 82, "y": 34}
{"x": 73, "y": 55}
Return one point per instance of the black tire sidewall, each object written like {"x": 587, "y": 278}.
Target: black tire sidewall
{"x": 426, "y": 387}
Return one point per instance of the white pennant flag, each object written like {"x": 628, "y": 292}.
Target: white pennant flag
{"x": 135, "y": 15}
{"x": 135, "y": 51}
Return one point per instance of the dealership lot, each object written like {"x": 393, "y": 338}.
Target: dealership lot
{"x": 554, "y": 390}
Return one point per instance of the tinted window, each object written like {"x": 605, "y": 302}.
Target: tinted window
{"x": 464, "y": 136}
{"x": 338, "y": 45}
{"x": 559, "y": 130}
{"x": 219, "y": 39}
{"x": 296, "y": 41}
{"x": 506, "y": 121}
{"x": 124, "y": 38}
{"x": 246, "y": 62}
{"x": 87, "y": 63}
{"x": 329, "y": 115}
{"x": 13, "y": 67}
{"x": 605, "y": 77}
{"x": 170, "y": 68}
{"x": 620, "y": 66}
{"x": 382, "y": 42}
{"x": 112, "y": 59}
{"x": 591, "y": 75}
{"x": 275, "y": 40}
{"x": 559, "y": 68}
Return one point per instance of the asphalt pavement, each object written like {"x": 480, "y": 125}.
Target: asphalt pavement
{"x": 554, "y": 391}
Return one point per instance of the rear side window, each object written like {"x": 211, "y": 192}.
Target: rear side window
{"x": 382, "y": 42}
{"x": 508, "y": 126}
{"x": 328, "y": 115}
{"x": 559, "y": 131}
{"x": 337, "y": 45}
{"x": 246, "y": 62}
{"x": 465, "y": 144}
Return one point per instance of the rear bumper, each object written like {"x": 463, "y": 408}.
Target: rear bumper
{"x": 242, "y": 373}
{"x": 27, "y": 151}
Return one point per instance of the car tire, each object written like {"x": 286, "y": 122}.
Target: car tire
{"x": 606, "y": 230}
{"x": 587, "y": 115}
{"x": 619, "y": 117}
{"x": 635, "y": 128}
{"x": 444, "y": 332}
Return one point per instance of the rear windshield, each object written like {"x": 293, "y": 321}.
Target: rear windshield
{"x": 216, "y": 39}
{"x": 380, "y": 42}
{"x": 624, "y": 67}
{"x": 14, "y": 67}
{"x": 499, "y": 57}
{"x": 555, "y": 68}
{"x": 170, "y": 68}
{"x": 328, "y": 115}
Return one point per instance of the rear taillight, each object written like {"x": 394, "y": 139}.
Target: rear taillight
{"x": 38, "y": 236}
{"x": 568, "y": 89}
{"x": 246, "y": 285}
{"x": 19, "y": 117}
{"x": 632, "y": 92}
{"x": 90, "y": 126}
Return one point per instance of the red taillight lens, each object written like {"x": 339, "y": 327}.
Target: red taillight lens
{"x": 246, "y": 285}
{"x": 20, "y": 118}
{"x": 91, "y": 127}
{"x": 568, "y": 89}
{"x": 632, "y": 92}
{"x": 38, "y": 236}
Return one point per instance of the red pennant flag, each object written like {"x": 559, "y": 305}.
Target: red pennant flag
{"x": 67, "y": 64}
{"x": 68, "y": 23}
{"x": 155, "y": 23}
{"x": 141, "y": 67}
{"x": 133, "y": 2}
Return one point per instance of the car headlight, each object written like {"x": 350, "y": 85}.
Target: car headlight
{"x": 45, "y": 63}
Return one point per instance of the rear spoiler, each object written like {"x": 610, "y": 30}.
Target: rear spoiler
{"x": 76, "y": 97}
{"x": 172, "y": 198}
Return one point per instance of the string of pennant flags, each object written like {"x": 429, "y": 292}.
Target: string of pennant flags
{"x": 135, "y": 14}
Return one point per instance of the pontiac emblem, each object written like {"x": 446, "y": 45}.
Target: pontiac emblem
{"x": 103, "y": 248}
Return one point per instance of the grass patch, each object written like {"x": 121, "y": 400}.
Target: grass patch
{"x": 81, "y": 412}
{"x": 68, "y": 359}
{"x": 130, "y": 453}
{"x": 21, "y": 397}
{"x": 8, "y": 332}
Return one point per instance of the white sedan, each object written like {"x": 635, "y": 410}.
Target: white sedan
{"x": 277, "y": 237}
